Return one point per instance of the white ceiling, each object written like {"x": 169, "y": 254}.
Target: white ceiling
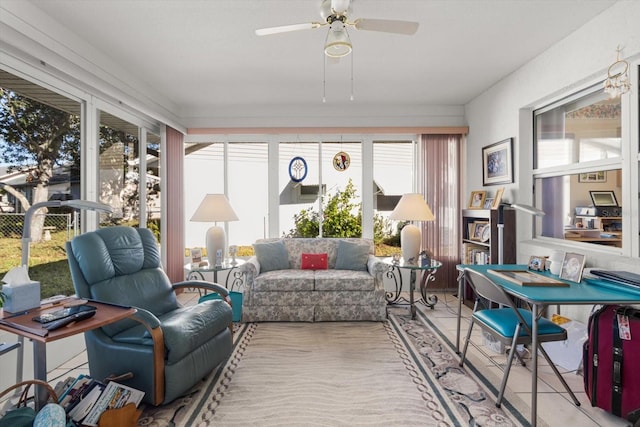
{"x": 203, "y": 55}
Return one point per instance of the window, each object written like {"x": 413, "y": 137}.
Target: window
{"x": 119, "y": 168}
{"x": 393, "y": 176}
{"x": 577, "y": 149}
{"x": 321, "y": 166}
{"x": 203, "y": 174}
{"x": 248, "y": 191}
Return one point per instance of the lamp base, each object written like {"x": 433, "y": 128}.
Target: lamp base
{"x": 216, "y": 242}
{"x": 410, "y": 241}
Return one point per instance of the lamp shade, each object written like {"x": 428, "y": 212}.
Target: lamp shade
{"x": 338, "y": 43}
{"x": 412, "y": 207}
{"x": 214, "y": 208}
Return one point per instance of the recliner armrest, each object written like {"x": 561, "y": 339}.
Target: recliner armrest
{"x": 152, "y": 324}
{"x": 146, "y": 317}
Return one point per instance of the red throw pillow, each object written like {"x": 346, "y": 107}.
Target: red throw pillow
{"x": 314, "y": 261}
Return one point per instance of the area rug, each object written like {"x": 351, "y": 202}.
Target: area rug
{"x": 395, "y": 373}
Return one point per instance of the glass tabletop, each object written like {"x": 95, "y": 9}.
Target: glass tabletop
{"x": 433, "y": 264}
{"x": 204, "y": 266}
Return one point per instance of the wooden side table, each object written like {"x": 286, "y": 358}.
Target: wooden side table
{"x": 22, "y": 324}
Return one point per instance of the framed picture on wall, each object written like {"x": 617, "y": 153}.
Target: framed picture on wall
{"x": 497, "y": 163}
{"x": 599, "y": 176}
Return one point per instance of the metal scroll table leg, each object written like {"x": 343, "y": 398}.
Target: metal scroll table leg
{"x": 428, "y": 300}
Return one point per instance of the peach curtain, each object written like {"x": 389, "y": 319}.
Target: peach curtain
{"x": 440, "y": 181}
{"x": 174, "y": 213}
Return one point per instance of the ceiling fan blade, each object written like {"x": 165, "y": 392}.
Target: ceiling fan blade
{"x": 287, "y": 28}
{"x": 387, "y": 26}
{"x": 340, "y": 6}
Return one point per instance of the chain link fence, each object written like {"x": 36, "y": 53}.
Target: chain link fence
{"x": 11, "y": 224}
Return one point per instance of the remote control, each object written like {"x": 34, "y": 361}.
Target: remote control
{"x": 57, "y": 324}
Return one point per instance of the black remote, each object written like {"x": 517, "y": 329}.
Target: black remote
{"x": 57, "y": 324}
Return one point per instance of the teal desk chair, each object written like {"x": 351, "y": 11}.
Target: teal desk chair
{"x": 510, "y": 325}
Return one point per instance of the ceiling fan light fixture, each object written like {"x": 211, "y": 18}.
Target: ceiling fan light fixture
{"x": 338, "y": 43}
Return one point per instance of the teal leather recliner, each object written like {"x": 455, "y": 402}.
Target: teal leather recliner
{"x": 167, "y": 347}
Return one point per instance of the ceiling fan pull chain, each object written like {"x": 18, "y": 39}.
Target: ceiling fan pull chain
{"x": 324, "y": 78}
{"x": 351, "y": 76}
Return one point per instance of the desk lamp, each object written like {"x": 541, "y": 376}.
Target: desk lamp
{"x": 28, "y": 215}
{"x": 517, "y": 206}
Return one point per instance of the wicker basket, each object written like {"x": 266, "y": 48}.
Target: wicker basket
{"x": 24, "y": 396}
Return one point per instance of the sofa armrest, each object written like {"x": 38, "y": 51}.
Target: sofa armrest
{"x": 250, "y": 269}
{"x": 376, "y": 267}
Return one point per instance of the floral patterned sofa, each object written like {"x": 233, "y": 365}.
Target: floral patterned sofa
{"x": 313, "y": 279}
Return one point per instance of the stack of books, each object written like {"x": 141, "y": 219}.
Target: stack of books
{"x": 84, "y": 399}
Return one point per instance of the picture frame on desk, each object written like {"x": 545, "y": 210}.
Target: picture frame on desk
{"x": 537, "y": 263}
{"x": 497, "y": 163}
{"x": 572, "y": 266}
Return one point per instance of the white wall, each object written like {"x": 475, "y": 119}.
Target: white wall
{"x": 504, "y": 111}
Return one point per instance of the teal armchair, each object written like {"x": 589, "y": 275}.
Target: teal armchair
{"x": 167, "y": 347}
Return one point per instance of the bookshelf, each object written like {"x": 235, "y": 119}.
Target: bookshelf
{"x": 480, "y": 240}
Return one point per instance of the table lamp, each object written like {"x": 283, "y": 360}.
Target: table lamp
{"x": 411, "y": 207}
{"x": 215, "y": 208}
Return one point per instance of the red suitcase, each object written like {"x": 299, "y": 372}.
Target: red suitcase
{"x": 610, "y": 362}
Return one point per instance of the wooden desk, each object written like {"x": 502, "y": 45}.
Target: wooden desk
{"x": 22, "y": 325}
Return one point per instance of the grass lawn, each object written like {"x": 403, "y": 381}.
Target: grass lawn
{"x": 47, "y": 263}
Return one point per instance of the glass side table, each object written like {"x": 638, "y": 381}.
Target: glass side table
{"x": 234, "y": 280}
{"x": 428, "y": 275}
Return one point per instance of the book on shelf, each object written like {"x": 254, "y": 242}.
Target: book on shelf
{"x": 475, "y": 254}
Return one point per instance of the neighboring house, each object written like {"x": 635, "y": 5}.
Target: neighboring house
{"x": 63, "y": 186}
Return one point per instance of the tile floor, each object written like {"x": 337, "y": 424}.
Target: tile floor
{"x": 555, "y": 407}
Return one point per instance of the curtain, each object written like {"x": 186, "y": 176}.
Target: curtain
{"x": 439, "y": 177}
{"x": 173, "y": 210}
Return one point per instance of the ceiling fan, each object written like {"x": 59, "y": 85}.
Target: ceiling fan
{"x": 335, "y": 15}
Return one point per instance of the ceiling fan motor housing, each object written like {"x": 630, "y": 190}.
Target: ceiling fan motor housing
{"x": 329, "y": 14}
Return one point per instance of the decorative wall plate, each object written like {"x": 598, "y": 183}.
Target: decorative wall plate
{"x": 298, "y": 169}
{"x": 341, "y": 161}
